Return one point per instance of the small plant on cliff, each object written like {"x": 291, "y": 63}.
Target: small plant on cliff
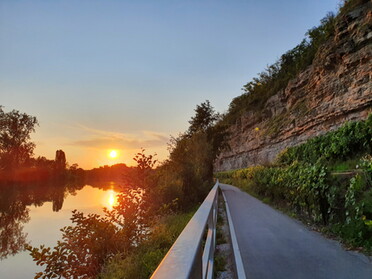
{"x": 349, "y": 5}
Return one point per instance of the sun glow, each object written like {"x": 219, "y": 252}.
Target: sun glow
{"x": 113, "y": 154}
{"x": 111, "y": 199}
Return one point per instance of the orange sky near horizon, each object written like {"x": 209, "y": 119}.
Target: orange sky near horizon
{"x": 94, "y": 152}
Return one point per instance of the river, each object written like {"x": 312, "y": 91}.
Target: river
{"x": 34, "y": 214}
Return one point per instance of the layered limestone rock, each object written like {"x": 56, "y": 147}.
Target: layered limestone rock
{"x": 336, "y": 88}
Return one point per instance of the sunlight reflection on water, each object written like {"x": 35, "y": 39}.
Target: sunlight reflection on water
{"x": 110, "y": 199}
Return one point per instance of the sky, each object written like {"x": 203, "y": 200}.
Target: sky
{"x": 124, "y": 75}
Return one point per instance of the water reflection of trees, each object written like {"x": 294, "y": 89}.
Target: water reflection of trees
{"x": 14, "y": 212}
{"x": 11, "y": 226}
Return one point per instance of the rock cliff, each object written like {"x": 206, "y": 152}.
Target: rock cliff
{"x": 337, "y": 87}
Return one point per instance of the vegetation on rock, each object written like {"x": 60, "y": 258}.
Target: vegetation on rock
{"x": 276, "y": 76}
{"x": 302, "y": 181}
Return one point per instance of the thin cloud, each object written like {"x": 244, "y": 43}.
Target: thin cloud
{"x": 156, "y": 135}
{"x": 103, "y": 139}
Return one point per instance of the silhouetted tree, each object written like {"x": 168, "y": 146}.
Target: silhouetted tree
{"x": 207, "y": 121}
{"x": 15, "y": 145}
{"x": 192, "y": 153}
{"x": 204, "y": 118}
{"x": 139, "y": 176}
{"x": 60, "y": 163}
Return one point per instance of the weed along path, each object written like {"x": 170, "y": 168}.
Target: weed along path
{"x": 273, "y": 245}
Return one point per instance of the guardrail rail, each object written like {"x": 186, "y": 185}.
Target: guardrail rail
{"x": 190, "y": 256}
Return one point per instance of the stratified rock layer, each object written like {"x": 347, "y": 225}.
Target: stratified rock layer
{"x": 336, "y": 88}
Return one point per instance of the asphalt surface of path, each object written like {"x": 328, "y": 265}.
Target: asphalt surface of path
{"x": 273, "y": 245}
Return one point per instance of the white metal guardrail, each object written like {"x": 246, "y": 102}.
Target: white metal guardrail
{"x": 189, "y": 257}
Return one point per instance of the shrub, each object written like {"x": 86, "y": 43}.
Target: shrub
{"x": 346, "y": 142}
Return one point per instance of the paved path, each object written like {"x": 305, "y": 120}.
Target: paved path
{"x": 273, "y": 245}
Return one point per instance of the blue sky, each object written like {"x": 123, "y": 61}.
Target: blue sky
{"x": 103, "y": 75}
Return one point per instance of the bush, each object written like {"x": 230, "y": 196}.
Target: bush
{"x": 351, "y": 139}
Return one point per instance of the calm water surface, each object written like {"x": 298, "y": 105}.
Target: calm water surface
{"x": 35, "y": 214}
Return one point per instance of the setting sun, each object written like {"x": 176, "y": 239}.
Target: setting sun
{"x": 113, "y": 154}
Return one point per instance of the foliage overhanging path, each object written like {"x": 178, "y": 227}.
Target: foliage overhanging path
{"x": 273, "y": 245}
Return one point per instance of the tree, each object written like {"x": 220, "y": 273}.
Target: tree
{"x": 204, "y": 118}
{"x": 207, "y": 121}
{"x": 139, "y": 176}
{"x": 192, "y": 153}
{"x": 15, "y": 145}
{"x": 60, "y": 162}
{"x": 192, "y": 160}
